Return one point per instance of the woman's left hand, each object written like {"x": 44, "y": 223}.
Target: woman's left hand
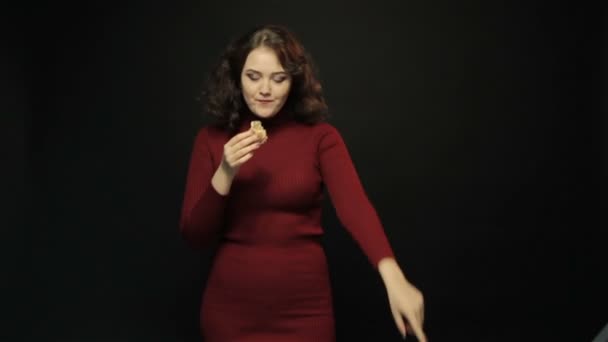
{"x": 405, "y": 300}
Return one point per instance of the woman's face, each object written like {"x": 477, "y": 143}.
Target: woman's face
{"x": 264, "y": 82}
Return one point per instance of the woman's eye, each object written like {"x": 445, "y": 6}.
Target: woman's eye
{"x": 280, "y": 79}
{"x": 253, "y": 77}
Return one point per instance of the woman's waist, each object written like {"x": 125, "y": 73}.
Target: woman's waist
{"x": 268, "y": 268}
{"x": 273, "y": 235}
{"x": 241, "y": 249}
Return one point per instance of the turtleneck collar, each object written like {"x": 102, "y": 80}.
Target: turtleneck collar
{"x": 268, "y": 123}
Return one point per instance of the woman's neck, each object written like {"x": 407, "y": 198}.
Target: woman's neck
{"x": 277, "y": 119}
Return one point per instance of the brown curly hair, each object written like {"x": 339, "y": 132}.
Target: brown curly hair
{"x": 222, "y": 97}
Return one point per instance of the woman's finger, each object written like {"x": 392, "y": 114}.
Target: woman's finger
{"x": 230, "y": 151}
{"x": 399, "y": 322}
{"x": 420, "y": 313}
{"x": 243, "y": 159}
{"x": 417, "y": 328}
{"x": 239, "y": 137}
{"x": 245, "y": 142}
{"x": 243, "y": 151}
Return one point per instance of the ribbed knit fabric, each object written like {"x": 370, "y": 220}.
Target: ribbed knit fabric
{"x": 269, "y": 280}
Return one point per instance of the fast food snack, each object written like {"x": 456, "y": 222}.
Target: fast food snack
{"x": 259, "y": 130}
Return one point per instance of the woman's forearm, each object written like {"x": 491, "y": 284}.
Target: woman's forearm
{"x": 202, "y": 219}
{"x": 222, "y": 180}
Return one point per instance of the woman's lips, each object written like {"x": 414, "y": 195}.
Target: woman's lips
{"x": 264, "y": 101}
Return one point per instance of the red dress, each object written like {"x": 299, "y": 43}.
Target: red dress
{"x": 269, "y": 280}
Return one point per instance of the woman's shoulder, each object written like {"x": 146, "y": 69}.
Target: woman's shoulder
{"x": 324, "y": 128}
{"x": 211, "y": 131}
{"x": 210, "y": 135}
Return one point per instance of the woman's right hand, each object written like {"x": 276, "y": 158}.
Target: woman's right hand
{"x": 238, "y": 150}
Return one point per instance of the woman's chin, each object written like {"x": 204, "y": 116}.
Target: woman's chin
{"x": 264, "y": 114}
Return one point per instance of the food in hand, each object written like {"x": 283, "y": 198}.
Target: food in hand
{"x": 257, "y": 128}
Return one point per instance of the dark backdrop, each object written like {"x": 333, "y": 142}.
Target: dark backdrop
{"x": 476, "y": 128}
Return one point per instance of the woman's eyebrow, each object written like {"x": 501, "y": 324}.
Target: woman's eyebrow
{"x": 272, "y": 73}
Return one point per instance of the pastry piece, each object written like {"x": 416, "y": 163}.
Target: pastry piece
{"x": 257, "y": 128}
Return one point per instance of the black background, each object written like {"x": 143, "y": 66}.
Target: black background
{"x": 478, "y": 130}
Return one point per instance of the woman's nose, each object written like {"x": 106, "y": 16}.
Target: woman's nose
{"x": 265, "y": 88}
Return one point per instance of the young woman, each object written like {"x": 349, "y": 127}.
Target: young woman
{"x": 260, "y": 192}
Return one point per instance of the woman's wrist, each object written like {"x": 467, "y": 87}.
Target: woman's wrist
{"x": 389, "y": 270}
{"x": 222, "y": 180}
{"x": 226, "y": 171}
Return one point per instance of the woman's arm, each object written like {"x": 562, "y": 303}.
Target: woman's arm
{"x": 205, "y": 195}
{"x": 222, "y": 180}
{"x": 352, "y": 205}
{"x": 404, "y": 298}
{"x": 359, "y": 217}
{"x": 208, "y": 186}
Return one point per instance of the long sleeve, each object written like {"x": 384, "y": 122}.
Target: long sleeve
{"x": 352, "y": 205}
{"x": 203, "y": 207}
